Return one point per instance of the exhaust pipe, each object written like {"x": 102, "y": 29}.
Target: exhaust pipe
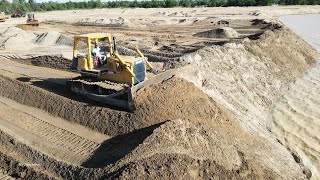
{"x": 114, "y": 44}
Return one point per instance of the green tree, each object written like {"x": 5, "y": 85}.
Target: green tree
{"x": 185, "y": 3}
{"x": 171, "y": 3}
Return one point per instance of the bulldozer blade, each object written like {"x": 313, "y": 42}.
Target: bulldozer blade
{"x": 154, "y": 80}
{"x": 109, "y": 100}
{"x": 129, "y": 104}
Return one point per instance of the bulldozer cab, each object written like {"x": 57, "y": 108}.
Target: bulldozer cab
{"x": 31, "y": 20}
{"x": 31, "y": 16}
{"x": 92, "y": 52}
{"x": 107, "y": 63}
{"x": 2, "y": 16}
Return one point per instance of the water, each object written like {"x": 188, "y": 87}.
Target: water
{"x": 297, "y": 115}
{"x": 306, "y": 26}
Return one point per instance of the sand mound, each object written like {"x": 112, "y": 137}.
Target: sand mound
{"x": 180, "y": 14}
{"x": 13, "y": 31}
{"x": 27, "y": 27}
{"x": 15, "y": 38}
{"x": 53, "y": 38}
{"x": 110, "y": 22}
{"x": 173, "y": 99}
{"x": 181, "y": 148}
{"x": 195, "y": 146}
{"x": 258, "y": 13}
{"x": 224, "y": 32}
{"x": 154, "y": 106}
{"x": 208, "y": 20}
{"x": 55, "y": 62}
{"x": 249, "y": 77}
{"x": 68, "y": 41}
{"x": 48, "y": 38}
{"x": 160, "y": 14}
{"x": 175, "y": 14}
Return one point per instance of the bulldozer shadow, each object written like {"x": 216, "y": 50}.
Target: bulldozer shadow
{"x": 112, "y": 150}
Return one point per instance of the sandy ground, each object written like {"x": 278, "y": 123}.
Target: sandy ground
{"x": 213, "y": 117}
{"x": 138, "y": 17}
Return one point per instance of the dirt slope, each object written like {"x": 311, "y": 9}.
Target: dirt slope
{"x": 249, "y": 77}
{"x": 181, "y": 100}
{"x": 192, "y": 150}
{"x": 152, "y": 105}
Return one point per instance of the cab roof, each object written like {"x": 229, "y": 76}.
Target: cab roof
{"x": 93, "y": 35}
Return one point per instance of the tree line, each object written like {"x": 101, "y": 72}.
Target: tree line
{"x": 32, "y": 5}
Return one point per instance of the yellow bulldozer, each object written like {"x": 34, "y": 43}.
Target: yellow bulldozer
{"x": 2, "y": 16}
{"x": 107, "y": 76}
{"x": 31, "y": 20}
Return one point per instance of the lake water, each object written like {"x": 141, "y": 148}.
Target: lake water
{"x": 306, "y": 26}
{"x": 296, "y": 116}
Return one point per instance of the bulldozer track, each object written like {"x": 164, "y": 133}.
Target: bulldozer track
{"x": 58, "y": 136}
{"x": 4, "y": 176}
{"x": 49, "y": 138}
{"x": 103, "y": 84}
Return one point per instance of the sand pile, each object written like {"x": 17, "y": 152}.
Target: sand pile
{"x": 224, "y": 32}
{"x": 154, "y": 106}
{"x": 13, "y": 31}
{"x": 259, "y": 14}
{"x": 16, "y": 38}
{"x": 54, "y": 38}
{"x": 248, "y": 78}
{"x": 175, "y": 14}
{"x": 132, "y": 22}
{"x": 68, "y": 41}
{"x": 184, "y": 149}
{"x": 208, "y": 20}
{"x": 56, "y": 62}
{"x": 160, "y": 14}
{"x": 109, "y": 22}
{"x": 48, "y": 38}
{"x": 197, "y": 145}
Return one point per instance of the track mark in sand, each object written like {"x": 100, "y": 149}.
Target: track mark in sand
{"x": 63, "y": 140}
{"x": 4, "y": 176}
{"x": 296, "y": 119}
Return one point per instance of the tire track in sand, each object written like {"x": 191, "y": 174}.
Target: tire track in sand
{"x": 51, "y": 135}
{"x": 296, "y": 119}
